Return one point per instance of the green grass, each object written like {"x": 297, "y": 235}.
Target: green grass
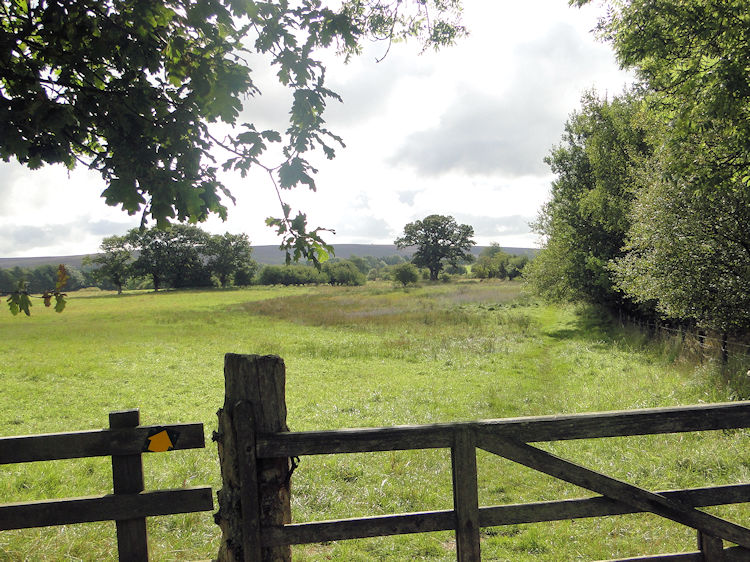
{"x": 356, "y": 357}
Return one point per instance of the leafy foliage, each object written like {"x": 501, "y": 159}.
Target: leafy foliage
{"x": 690, "y": 255}
{"x": 585, "y": 223}
{"x": 438, "y": 239}
{"x": 406, "y": 274}
{"x": 687, "y": 250}
{"x": 20, "y": 299}
{"x": 228, "y": 254}
{"x": 291, "y": 275}
{"x": 343, "y": 272}
{"x": 692, "y": 56}
{"x": 132, "y": 89}
{"x": 493, "y": 262}
{"x": 114, "y": 262}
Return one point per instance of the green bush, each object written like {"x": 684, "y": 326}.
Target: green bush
{"x": 343, "y": 272}
{"x": 291, "y": 275}
{"x": 405, "y": 273}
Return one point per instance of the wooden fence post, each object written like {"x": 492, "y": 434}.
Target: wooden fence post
{"x": 127, "y": 478}
{"x": 465, "y": 495}
{"x": 711, "y": 547}
{"x": 255, "y": 492}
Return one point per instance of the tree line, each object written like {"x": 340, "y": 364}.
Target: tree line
{"x": 186, "y": 256}
{"x": 650, "y": 206}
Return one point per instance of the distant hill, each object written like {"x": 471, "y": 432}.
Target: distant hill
{"x": 72, "y": 261}
{"x": 270, "y": 255}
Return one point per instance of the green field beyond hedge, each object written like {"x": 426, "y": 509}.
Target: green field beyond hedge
{"x": 362, "y": 356}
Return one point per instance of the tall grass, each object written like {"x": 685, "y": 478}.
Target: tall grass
{"x": 365, "y": 356}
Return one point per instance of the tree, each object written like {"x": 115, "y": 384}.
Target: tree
{"x": 515, "y": 266}
{"x": 133, "y": 90}
{"x": 405, "y": 273}
{"x": 171, "y": 257}
{"x": 227, "y": 254}
{"x": 688, "y": 246}
{"x": 439, "y": 239}
{"x": 291, "y": 275}
{"x": 245, "y": 275}
{"x": 598, "y": 169}
{"x": 690, "y": 255}
{"x": 113, "y": 264}
{"x": 154, "y": 260}
{"x": 187, "y": 246}
{"x": 492, "y": 262}
{"x": 691, "y": 56}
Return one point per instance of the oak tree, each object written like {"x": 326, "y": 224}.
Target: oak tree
{"x": 438, "y": 240}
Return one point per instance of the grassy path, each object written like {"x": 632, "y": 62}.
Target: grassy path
{"x": 366, "y": 356}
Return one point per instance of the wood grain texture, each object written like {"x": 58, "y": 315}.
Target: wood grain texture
{"x": 96, "y": 443}
{"x": 711, "y": 547}
{"x": 253, "y": 384}
{"x": 244, "y": 432}
{"x": 622, "y": 491}
{"x": 127, "y": 478}
{"x": 528, "y": 429}
{"x": 444, "y": 520}
{"x": 465, "y": 499}
{"x": 108, "y": 507}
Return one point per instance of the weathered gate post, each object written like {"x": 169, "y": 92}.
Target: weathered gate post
{"x": 255, "y": 491}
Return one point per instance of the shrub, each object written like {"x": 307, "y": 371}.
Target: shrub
{"x": 343, "y": 272}
{"x": 405, "y": 273}
{"x": 291, "y": 275}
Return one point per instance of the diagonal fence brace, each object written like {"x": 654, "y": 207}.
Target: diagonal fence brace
{"x": 629, "y": 494}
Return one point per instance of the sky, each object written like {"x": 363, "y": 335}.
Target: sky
{"x": 460, "y": 132}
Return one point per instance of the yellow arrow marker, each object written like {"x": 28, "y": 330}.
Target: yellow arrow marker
{"x": 160, "y": 442}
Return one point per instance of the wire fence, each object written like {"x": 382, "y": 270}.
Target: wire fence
{"x": 709, "y": 344}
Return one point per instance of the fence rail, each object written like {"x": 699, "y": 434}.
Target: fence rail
{"x": 509, "y": 438}
{"x": 129, "y": 505}
{"x": 648, "y": 421}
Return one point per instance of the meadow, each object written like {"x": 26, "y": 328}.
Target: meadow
{"x": 364, "y": 356}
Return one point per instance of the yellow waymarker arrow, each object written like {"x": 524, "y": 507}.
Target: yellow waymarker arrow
{"x": 160, "y": 442}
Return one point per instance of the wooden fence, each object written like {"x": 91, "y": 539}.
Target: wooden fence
{"x": 256, "y": 451}
{"x": 253, "y": 434}
{"x": 129, "y": 505}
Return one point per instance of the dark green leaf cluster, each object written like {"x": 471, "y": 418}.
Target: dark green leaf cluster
{"x": 178, "y": 256}
{"x": 334, "y": 272}
{"x": 343, "y": 272}
{"x": 438, "y": 240}
{"x": 131, "y": 89}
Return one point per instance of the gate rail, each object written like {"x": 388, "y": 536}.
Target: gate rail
{"x": 509, "y": 438}
{"x": 124, "y": 441}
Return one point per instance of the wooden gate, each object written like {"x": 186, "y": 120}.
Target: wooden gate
{"x": 255, "y": 395}
{"x": 129, "y": 505}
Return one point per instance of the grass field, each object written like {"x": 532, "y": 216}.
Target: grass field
{"x": 366, "y": 356}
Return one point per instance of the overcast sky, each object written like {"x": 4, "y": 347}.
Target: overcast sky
{"x": 461, "y": 132}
